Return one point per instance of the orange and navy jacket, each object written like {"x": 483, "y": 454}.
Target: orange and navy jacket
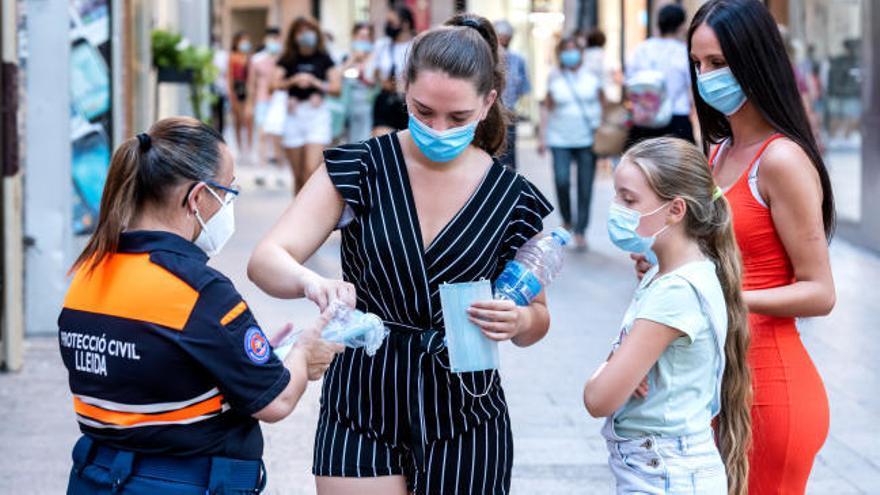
{"x": 163, "y": 355}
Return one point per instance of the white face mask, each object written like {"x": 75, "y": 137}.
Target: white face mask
{"x": 217, "y": 231}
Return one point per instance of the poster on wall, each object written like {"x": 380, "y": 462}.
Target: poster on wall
{"x": 90, "y": 108}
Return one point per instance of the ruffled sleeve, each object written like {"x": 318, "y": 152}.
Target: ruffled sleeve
{"x": 350, "y": 169}
{"x": 526, "y": 221}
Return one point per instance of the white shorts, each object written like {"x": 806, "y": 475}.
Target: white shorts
{"x": 307, "y": 124}
{"x": 261, "y": 108}
{"x": 668, "y": 466}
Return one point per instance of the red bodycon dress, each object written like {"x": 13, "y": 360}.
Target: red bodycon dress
{"x": 790, "y": 413}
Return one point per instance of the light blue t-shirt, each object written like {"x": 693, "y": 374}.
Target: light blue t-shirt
{"x": 685, "y": 381}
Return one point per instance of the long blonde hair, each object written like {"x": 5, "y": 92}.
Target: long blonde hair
{"x": 678, "y": 169}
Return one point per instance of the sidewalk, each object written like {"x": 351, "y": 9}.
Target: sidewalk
{"x": 558, "y": 447}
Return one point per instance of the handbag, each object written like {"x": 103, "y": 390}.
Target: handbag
{"x": 276, "y": 115}
{"x": 610, "y": 137}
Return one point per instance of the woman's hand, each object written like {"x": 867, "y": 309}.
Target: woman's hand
{"x": 498, "y": 320}
{"x": 542, "y": 146}
{"x": 318, "y": 352}
{"x": 315, "y": 82}
{"x": 642, "y": 265}
{"x": 300, "y": 80}
{"x": 321, "y": 291}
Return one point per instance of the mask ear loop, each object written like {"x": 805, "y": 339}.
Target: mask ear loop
{"x": 475, "y": 395}
{"x": 202, "y": 223}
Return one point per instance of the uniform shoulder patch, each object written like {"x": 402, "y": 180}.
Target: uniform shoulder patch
{"x": 256, "y": 345}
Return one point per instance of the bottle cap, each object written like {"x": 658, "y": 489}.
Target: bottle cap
{"x": 562, "y": 235}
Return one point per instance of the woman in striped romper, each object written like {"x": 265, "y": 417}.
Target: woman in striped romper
{"x": 418, "y": 208}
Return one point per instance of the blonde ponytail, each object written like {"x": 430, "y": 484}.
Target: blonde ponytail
{"x": 734, "y": 422}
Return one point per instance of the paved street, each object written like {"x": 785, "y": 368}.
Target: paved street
{"x": 558, "y": 447}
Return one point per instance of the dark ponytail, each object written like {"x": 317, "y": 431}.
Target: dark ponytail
{"x": 146, "y": 169}
{"x": 466, "y": 47}
{"x": 754, "y": 51}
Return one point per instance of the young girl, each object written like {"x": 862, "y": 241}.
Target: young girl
{"x": 684, "y": 331}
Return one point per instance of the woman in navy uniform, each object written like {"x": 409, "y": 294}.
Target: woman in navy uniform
{"x": 169, "y": 370}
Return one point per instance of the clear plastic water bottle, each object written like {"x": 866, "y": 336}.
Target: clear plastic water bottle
{"x": 537, "y": 263}
{"x": 347, "y": 326}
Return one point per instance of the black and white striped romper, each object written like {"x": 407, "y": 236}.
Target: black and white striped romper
{"x": 402, "y": 411}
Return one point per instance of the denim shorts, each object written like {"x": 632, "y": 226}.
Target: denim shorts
{"x": 674, "y": 466}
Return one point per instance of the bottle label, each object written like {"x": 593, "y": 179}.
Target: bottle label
{"x": 518, "y": 283}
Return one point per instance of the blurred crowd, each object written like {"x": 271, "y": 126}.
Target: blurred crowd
{"x": 290, "y": 94}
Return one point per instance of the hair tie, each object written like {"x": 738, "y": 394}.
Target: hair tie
{"x": 145, "y": 141}
{"x": 717, "y": 194}
{"x": 474, "y": 24}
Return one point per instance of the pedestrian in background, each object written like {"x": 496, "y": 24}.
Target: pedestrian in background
{"x": 389, "y": 109}
{"x": 359, "y": 83}
{"x": 220, "y": 87}
{"x": 594, "y": 59}
{"x": 667, "y": 56}
{"x": 237, "y": 76}
{"x": 570, "y": 114}
{"x": 169, "y": 370}
{"x": 764, "y": 156}
{"x": 429, "y": 206}
{"x": 260, "y": 79}
{"x": 517, "y": 86}
{"x": 679, "y": 362}
{"x": 307, "y": 72}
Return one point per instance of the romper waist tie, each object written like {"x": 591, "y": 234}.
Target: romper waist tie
{"x": 430, "y": 339}
{"x": 430, "y": 343}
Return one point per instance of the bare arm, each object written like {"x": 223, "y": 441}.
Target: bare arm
{"x": 307, "y": 361}
{"x": 278, "y": 80}
{"x": 334, "y": 82}
{"x": 619, "y": 377}
{"x": 276, "y": 263}
{"x": 791, "y": 186}
{"x": 544, "y": 110}
{"x": 251, "y": 86}
{"x": 535, "y": 322}
{"x": 230, "y": 83}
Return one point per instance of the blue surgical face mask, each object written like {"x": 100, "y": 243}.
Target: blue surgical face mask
{"x": 441, "y": 146}
{"x": 273, "y": 47}
{"x": 361, "y": 46}
{"x": 469, "y": 350}
{"x": 622, "y": 225}
{"x": 570, "y": 58}
{"x": 245, "y": 46}
{"x": 308, "y": 39}
{"x": 720, "y": 90}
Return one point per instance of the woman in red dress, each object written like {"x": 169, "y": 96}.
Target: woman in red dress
{"x": 765, "y": 158}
